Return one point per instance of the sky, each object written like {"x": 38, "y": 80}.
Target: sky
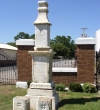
{"x": 66, "y": 16}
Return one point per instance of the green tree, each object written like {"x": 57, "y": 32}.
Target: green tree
{"x": 12, "y": 44}
{"x": 21, "y": 35}
{"x": 63, "y": 46}
{"x": 32, "y": 36}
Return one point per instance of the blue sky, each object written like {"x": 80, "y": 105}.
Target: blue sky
{"x": 66, "y": 16}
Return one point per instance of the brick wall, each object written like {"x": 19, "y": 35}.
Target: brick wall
{"x": 24, "y": 62}
{"x": 85, "y": 63}
{"x": 64, "y": 77}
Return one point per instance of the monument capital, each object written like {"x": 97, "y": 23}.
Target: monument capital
{"x": 42, "y": 13}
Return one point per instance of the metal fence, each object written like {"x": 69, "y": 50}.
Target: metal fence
{"x": 97, "y": 74}
{"x": 64, "y": 63}
{"x": 8, "y": 69}
{"x": 8, "y": 75}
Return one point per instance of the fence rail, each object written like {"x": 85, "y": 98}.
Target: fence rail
{"x": 8, "y": 75}
{"x": 8, "y": 69}
{"x": 64, "y": 63}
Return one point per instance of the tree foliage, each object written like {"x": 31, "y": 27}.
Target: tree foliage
{"x": 21, "y": 35}
{"x": 12, "y": 44}
{"x": 63, "y": 46}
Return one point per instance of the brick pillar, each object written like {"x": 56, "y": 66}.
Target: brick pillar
{"x": 24, "y": 59}
{"x": 85, "y": 60}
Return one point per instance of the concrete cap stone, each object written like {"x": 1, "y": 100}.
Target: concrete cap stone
{"x": 25, "y": 42}
{"x": 85, "y": 41}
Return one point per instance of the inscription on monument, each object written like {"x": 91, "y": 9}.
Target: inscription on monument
{"x": 19, "y": 104}
{"x": 45, "y": 104}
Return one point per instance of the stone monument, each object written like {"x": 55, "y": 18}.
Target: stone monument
{"x": 42, "y": 92}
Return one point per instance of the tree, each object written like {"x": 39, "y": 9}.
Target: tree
{"x": 21, "y": 35}
{"x": 12, "y": 44}
{"x": 32, "y": 36}
{"x": 63, "y": 46}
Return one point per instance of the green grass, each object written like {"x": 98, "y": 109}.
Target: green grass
{"x": 68, "y": 100}
{"x": 7, "y": 93}
{"x": 79, "y": 101}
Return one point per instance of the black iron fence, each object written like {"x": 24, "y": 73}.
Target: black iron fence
{"x": 97, "y": 74}
{"x": 8, "y": 69}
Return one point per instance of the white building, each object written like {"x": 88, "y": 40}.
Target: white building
{"x": 8, "y": 50}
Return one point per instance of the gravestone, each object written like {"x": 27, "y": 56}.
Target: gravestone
{"x": 21, "y": 103}
{"x": 42, "y": 92}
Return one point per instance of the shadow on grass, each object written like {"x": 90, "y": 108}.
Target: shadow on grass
{"x": 77, "y": 101}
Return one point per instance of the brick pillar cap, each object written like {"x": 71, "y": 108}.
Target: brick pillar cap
{"x": 85, "y": 41}
{"x": 25, "y": 42}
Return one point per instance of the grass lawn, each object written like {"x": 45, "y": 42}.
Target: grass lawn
{"x": 68, "y": 100}
{"x": 7, "y": 93}
{"x": 79, "y": 101}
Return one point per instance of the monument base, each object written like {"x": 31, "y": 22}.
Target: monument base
{"x": 43, "y": 96}
{"x": 44, "y": 102}
{"x": 21, "y": 103}
{"x": 40, "y": 96}
{"x": 36, "y": 102}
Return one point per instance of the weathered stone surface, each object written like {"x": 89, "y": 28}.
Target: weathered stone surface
{"x": 42, "y": 15}
{"x": 50, "y": 102}
{"x": 55, "y": 101}
{"x": 39, "y": 52}
{"x": 42, "y": 35}
{"x": 41, "y": 70}
{"x": 33, "y": 103}
{"x": 20, "y": 84}
{"x": 50, "y": 85}
{"x": 44, "y": 103}
{"x": 41, "y": 92}
{"x": 21, "y": 103}
{"x": 42, "y": 66}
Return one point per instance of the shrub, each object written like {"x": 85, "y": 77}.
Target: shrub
{"x": 89, "y": 88}
{"x": 60, "y": 87}
{"x": 75, "y": 87}
{"x": 28, "y": 83}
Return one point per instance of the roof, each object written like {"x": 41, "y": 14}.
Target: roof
{"x": 6, "y": 46}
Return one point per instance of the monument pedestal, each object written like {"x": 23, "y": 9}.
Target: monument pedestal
{"x": 42, "y": 92}
{"x": 44, "y": 102}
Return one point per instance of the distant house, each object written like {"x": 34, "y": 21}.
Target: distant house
{"x": 8, "y": 49}
{"x": 7, "y": 55}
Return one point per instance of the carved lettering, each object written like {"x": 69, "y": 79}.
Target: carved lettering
{"x": 19, "y": 104}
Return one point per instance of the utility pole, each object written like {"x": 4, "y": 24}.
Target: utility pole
{"x": 84, "y": 32}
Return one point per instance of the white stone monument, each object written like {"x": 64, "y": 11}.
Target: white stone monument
{"x": 42, "y": 92}
{"x": 98, "y": 40}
